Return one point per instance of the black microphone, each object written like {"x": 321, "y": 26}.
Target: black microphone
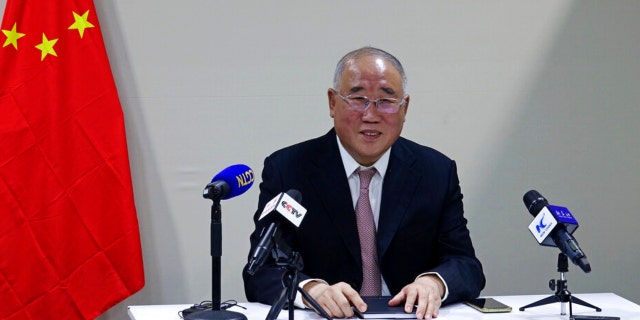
{"x": 263, "y": 249}
{"x": 286, "y": 204}
{"x": 553, "y": 226}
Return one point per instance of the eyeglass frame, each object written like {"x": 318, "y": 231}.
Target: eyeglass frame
{"x": 368, "y": 101}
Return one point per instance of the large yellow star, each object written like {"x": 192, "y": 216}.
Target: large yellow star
{"x": 12, "y": 37}
{"x": 47, "y": 47}
{"x": 81, "y": 23}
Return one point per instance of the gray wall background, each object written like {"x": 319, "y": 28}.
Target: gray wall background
{"x": 522, "y": 94}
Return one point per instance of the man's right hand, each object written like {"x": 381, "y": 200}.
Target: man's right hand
{"x": 335, "y": 299}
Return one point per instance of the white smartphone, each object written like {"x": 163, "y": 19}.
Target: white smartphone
{"x": 488, "y": 305}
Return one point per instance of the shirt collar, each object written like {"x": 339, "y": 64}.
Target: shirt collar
{"x": 351, "y": 165}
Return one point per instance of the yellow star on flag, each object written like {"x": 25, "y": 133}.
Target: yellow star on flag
{"x": 12, "y": 37}
{"x": 81, "y": 23}
{"x": 47, "y": 47}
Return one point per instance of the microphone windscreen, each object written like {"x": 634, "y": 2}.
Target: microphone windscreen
{"x": 295, "y": 194}
{"x": 239, "y": 177}
{"x": 534, "y": 202}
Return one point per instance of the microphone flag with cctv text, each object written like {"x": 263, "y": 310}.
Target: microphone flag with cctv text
{"x": 286, "y": 204}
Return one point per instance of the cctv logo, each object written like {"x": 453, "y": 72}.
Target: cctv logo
{"x": 290, "y": 209}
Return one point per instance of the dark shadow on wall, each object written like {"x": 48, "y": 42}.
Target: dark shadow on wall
{"x": 577, "y": 143}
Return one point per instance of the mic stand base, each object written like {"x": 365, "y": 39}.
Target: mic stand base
{"x": 555, "y": 298}
{"x": 216, "y": 315}
{"x": 562, "y": 294}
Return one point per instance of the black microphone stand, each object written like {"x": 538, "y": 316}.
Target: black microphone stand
{"x": 216, "y": 252}
{"x": 292, "y": 261}
{"x": 562, "y": 294}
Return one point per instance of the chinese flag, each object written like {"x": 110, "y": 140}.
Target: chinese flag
{"x": 69, "y": 237}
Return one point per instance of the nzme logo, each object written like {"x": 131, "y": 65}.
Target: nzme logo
{"x": 542, "y": 224}
{"x": 543, "y": 228}
{"x": 540, "y": 227}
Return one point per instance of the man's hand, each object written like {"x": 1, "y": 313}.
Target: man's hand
{"x": 426, "y": 292}
{"x": 336, "y": 299}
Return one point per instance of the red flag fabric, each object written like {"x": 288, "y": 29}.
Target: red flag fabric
{"x": 69, "y": 237}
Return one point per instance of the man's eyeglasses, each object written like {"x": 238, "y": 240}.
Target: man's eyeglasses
{"x": 384, "y": 105}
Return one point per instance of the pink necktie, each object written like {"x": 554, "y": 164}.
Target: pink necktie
{"x": 367, "y": 232}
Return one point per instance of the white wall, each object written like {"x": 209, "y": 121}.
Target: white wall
{"x": 522, "y": 94}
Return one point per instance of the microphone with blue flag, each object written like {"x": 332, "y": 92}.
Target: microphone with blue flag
{"x": 553, "y": 226}
{"x": 230, "y": 182}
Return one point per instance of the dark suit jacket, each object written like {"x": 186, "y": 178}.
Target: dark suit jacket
{"x": 421, "y": 226}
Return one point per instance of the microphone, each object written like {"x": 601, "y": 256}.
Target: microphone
{"x": 553, "y": 226}
{"x": 230, "y": 182}
{"x": 287, "y": 204}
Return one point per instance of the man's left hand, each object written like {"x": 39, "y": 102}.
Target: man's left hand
{"x": 426, "y": 292}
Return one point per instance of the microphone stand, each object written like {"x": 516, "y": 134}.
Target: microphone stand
{"x": 562, "y": 294}
{"x": 216, "y": 252}
{"x": 292, "y": 261}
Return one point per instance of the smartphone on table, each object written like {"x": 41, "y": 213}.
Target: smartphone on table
{"x": 488, "y": 305}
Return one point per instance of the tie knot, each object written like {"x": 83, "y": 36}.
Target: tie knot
{"x": 365, "y": 177}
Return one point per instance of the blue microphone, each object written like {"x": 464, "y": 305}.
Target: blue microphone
{"x": 230, "y": 182}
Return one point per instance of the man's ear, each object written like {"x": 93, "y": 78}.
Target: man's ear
{"x": 331, "y": 95}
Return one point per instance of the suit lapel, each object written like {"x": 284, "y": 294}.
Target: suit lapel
{"x": 399, "y": 186}
{"x": 330, "y": 183}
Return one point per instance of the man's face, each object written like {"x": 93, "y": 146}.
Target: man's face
{"x": 367, "y": 134}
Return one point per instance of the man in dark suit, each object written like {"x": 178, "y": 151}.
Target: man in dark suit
{"x": 423, "y": 251}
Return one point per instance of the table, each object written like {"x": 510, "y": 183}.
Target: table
{"x": 611, "y": 304}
